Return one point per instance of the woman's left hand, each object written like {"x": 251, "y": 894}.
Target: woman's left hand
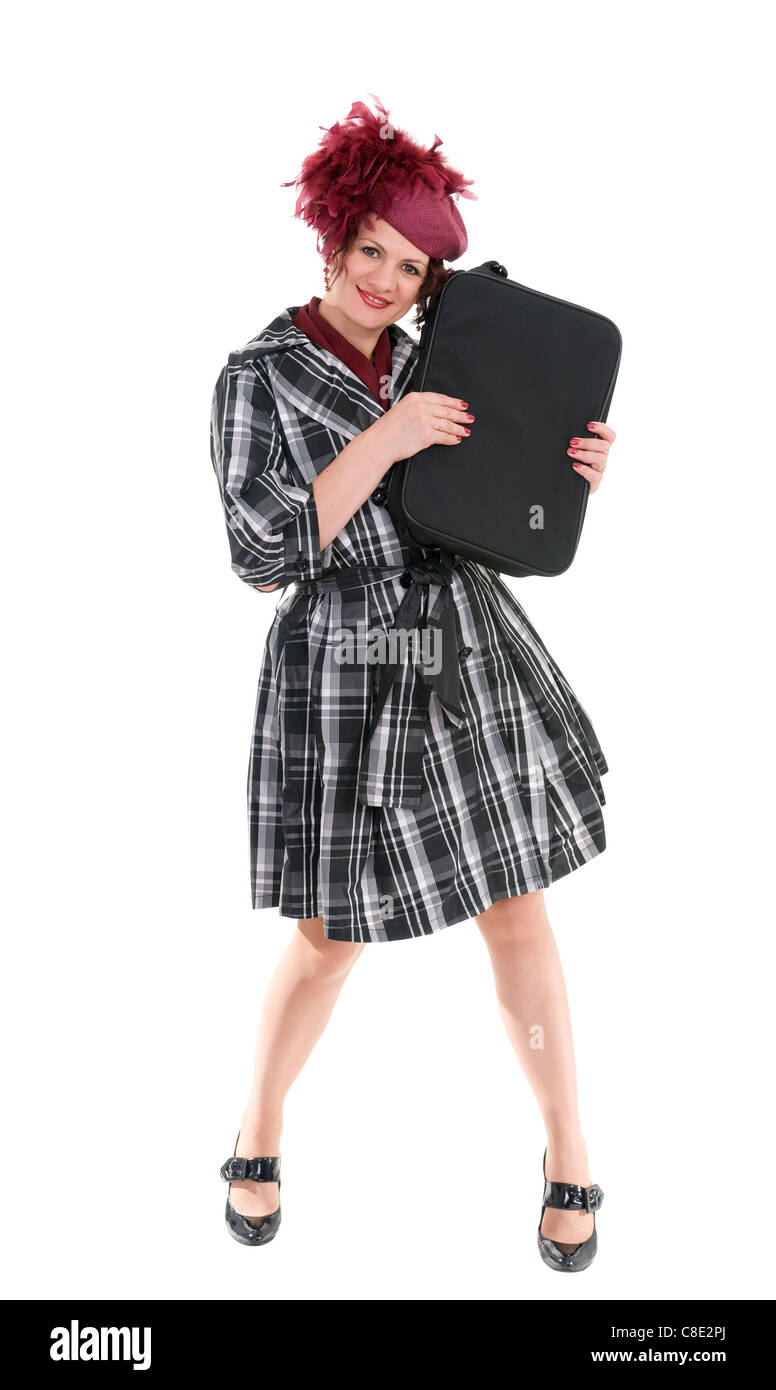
{"x": 589, "y": 456}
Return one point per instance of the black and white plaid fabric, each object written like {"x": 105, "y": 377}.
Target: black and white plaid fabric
{"x": 440, "y": 810}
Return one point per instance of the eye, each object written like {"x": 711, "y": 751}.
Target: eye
{"x": 413, "y": 269}
{"x": 368, "y": 249}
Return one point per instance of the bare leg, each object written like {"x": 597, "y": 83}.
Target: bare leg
{"x": 297, "y": 1006}
{"x": 534, "y": 1007}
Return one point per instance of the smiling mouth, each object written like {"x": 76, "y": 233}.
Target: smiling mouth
{"x": 373, "y": 300}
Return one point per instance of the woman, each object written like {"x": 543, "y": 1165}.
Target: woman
{"x": 377, "y": 810}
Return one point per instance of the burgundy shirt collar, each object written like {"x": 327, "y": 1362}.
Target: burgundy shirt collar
{"x": 309, "y": 319}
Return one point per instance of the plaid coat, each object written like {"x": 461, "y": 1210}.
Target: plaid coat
{"x": 385, "y": 796}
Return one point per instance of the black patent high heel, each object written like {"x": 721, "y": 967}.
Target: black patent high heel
{"x": 259, "y": 1230}
{"x": 567, "y": 1196}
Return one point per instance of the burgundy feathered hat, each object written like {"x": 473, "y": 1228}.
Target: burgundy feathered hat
{"x": 364, "y": 165}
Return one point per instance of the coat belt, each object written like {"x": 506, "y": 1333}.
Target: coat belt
{"x": 416, "y": 576}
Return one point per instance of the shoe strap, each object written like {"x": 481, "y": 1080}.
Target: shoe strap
{"x": 567, "y": 1196}
{"x": 256, "y": 1169}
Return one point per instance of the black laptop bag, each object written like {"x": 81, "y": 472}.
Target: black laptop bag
{"x": 534, "y": 369}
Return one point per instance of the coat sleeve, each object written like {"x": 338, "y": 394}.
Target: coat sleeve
{"x": 272, "y": 521}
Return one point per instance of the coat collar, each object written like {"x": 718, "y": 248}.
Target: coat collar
{"x": 313, "y": 381}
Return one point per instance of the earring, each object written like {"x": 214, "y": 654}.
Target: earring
{"x": 327, "y": 263}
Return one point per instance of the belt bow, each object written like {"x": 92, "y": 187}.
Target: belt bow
{"x": 420, "y": 573}
{"x": 391, "y": 766}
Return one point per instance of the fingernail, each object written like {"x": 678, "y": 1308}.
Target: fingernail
{"x": 571, "y": 451}
{"x": 469, "y": 417}
{"x": 576, "y": 465}
{"x": 464, "y": 404}
{"x": 591, "y": 424}
{"x": 467, "y": 431}
{"x": 573, "y": 441}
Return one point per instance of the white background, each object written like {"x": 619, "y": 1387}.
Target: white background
{"x": 621, "y": 160}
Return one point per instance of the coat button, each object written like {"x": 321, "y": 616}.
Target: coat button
{"x": 379, "y": 495}
{"x": 302, "y": 563}
{"x": 405, "y": 579}
{"x": 465, "y": 652}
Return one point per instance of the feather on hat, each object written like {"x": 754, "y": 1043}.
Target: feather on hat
{"x": 364, "y": 165}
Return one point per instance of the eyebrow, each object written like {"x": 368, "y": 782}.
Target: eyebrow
{"x": 414, "y": 260}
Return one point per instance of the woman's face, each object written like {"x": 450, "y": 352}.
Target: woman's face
{"x": 378, "y": 281}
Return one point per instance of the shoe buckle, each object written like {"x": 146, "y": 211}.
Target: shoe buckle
{"x": 593, "y": 1198}
{"x": 234, "y": 1170}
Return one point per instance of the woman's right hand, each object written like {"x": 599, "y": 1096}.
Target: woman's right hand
{"x": 420, "y": 419}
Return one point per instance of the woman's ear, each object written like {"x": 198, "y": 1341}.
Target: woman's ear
{"x": 335, "y": 264}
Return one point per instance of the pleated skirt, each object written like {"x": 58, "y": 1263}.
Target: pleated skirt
{"x": 512, "y": 799}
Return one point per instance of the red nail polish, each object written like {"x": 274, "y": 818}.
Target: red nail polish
{"x": 573, "y": 441}
{"x": 591, "y": 424}
{"x": 571, "y": 451}
{"x": 576, "y": 465}
{"x": 464, "y": 405}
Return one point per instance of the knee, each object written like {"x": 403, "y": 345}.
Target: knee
{"x": 514, "y": 922}
{"x": 323, "y": 958}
